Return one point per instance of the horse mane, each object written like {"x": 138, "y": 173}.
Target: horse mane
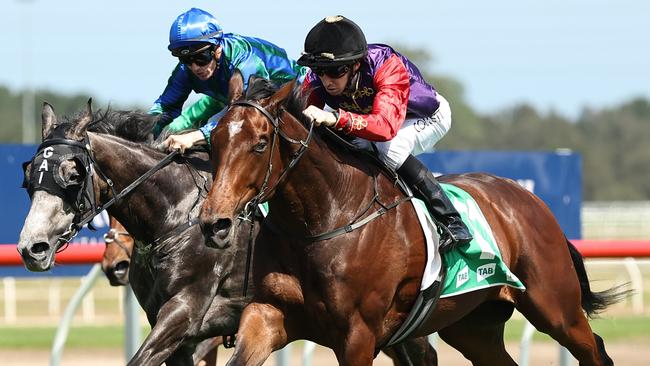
{"x": 296, "y": 103}
{"x": 134, "y": 126}
{"x": 260, "y": 89}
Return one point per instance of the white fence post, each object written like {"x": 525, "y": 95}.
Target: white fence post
{"x": 54, "y": 299}
{"x": 88, "y": 304}
{"x": 636, "y": 280}
{"x": 10, "y": 299}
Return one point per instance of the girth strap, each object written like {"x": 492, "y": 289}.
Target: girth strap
{"x": 349, "y": 228}
{"x": 424, "y": 305}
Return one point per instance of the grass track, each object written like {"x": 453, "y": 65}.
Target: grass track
{"x": 619, "y": 329}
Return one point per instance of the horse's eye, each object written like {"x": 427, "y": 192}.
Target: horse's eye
{"x": 260, "y": 147}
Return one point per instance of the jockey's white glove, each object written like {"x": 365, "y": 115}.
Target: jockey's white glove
{"x": 320, "y": 116}
{"x": 184, "y": 141}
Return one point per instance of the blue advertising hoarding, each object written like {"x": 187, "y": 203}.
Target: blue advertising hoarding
{"x": 556, "y": 177}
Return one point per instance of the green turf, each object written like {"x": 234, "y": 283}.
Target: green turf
{"x": 78, "y": 337}
{"x": 612, "y": 330}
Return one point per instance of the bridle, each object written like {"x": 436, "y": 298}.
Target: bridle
{"x": 111, "y": 238}
{"x": 251, "y": 205}
{"x": 85, "y": 202}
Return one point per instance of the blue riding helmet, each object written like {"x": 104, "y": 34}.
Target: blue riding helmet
{"x": 193, "y": 30}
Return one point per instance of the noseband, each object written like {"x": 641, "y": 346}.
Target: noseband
{"x": 111, "y": 238}
{"x": 264, "y": 189}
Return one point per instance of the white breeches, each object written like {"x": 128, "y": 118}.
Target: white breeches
{"x": 416, "y": 136}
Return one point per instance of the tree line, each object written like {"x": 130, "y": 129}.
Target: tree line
{"x": 612, "y": 141}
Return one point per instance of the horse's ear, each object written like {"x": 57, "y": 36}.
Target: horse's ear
{"x": 235, "y": 86}
{"x": 84, "y": 121}
{"x": 280, "y": 96}
{"x": 48, "y": 119}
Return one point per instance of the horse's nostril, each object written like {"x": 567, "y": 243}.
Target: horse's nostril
{"x": 221, "y": 224}
{"x": 121, "y": 267}
{"x": 40, "y": 248}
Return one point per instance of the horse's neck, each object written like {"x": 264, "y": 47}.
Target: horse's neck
{"x": 323, "y": 192}
{"x": 160, "y": 203}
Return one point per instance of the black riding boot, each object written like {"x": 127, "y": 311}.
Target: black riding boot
{"x": 426, "y": 187}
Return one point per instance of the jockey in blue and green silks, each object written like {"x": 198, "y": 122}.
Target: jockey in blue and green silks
{"x": 207, "y": 60}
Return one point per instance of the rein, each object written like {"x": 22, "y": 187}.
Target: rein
{"x": 264, "y": 189}
{"x": 356, "y": 223}
{"x": 251, "y": 206}
{"x": 94, "y": 210}
{"x": 112, "y": 239}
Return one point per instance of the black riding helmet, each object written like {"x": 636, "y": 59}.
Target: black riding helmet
{"x": 334, "y": 41}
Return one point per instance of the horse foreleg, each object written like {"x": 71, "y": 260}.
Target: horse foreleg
{"x": 205, "y": 353}
{"x": 413, "y": 351}
{"x": 261, "y": 331}
{"x": 166, "y": 336}
{"x": 357, "y": 348}
{"x": 180, "y": 357}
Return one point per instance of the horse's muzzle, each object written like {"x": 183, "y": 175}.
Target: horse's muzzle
{"x": 118, "y": 273}
{"x": 37, "y": 257}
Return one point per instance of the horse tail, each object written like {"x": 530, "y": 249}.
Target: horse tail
{"x": 594, "y": 302}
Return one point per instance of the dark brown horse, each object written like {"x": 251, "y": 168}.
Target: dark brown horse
{"x": 351, "y": 292}
{"x": 117, "y": 254}
{"x": 188, "y": 291}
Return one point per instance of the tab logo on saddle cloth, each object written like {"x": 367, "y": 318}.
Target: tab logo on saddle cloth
{"x": 483, "y": 272}
{"x": 462, "y": 276}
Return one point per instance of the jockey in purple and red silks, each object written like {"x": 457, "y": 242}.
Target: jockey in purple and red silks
{"x": 378, "y": 95}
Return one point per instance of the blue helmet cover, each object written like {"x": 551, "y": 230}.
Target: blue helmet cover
{"x": 194, "y": 27}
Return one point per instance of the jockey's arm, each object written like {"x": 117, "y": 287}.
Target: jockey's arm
{"x": 197, "y": 114}
{"x": 193, "y": 117}
{"x": 170, "y": 103}
{"x": 389, "y": 106}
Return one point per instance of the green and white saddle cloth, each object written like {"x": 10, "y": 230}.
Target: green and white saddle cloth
{"x": 471, "y": 267}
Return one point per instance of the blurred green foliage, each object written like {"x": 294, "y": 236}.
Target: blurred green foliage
{"x": 611, "y": 141}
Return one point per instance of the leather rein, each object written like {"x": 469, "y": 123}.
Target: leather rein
{"x": 359, "y": 221}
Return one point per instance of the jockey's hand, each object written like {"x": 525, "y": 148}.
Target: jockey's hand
{"x": 320, "y": 116}
{"x": 184, "y": 141}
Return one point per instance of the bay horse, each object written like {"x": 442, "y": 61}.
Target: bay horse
{"x": 115, "y": 264}
{"x": 351, "y": 292}
{"x": 188, "y": 291}
{"x": 117, "y": 254}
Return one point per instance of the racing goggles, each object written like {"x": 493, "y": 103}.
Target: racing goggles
{"x": 200, "y": 58}
{"x": 333, "y": 72}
